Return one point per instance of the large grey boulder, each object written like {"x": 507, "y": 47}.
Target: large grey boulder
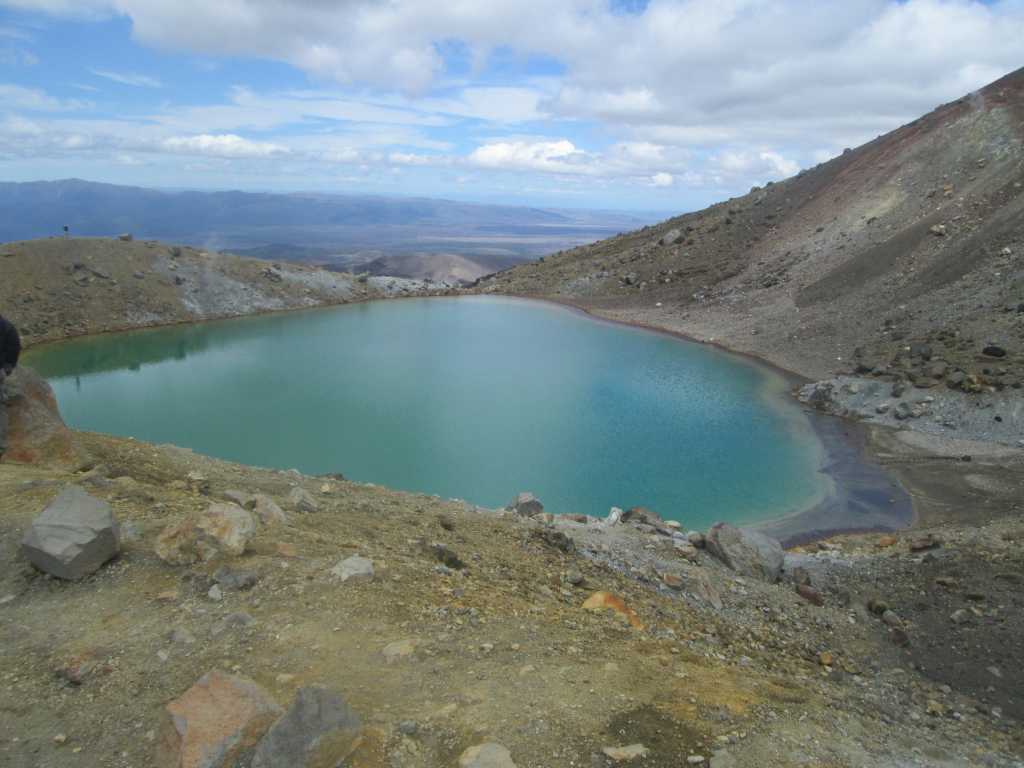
{"x": 73, "y": 536}
{"x": 526, "y": 504}
{"x": 671, "y": 237}
{"x": 302, "y": 500}
{"x": 354, "y": 567}
{"x": 747, "y": 552}
{"x": 645, "y": 516}
{"x": 319, "y": 729}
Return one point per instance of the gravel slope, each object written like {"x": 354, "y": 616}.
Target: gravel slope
{"x": 917, "y": 236}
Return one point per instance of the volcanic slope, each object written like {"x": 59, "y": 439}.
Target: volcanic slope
{"x": 56, "y": 288}
{"x": 917, "y": 235}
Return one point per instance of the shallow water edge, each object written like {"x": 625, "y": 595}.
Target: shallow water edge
{"x": 861, "y": 497}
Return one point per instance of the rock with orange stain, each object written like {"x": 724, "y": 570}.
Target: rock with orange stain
{"x": 885, "y": 541}
{"x": 607, "y": 601}
{"x": 176, "y": 543}
{"x": 36, "y": 434}
{"x": 214, "y": 722}
{"x": 223, "y": 529}
{"x": 228, "y": 528}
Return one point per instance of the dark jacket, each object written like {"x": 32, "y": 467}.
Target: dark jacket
{"x": 10, "y": 345}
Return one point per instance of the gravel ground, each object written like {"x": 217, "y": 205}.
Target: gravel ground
{"x": 723, "y": 666}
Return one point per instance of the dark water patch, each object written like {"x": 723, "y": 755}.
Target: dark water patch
{"x": 864, "y": 497}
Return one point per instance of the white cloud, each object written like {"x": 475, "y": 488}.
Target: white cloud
{"x": 224, "y": 145}
{"x": 679, "y": 62}
{"x": 409, "y": 158}
{"x": 703, "y": 72}
{"x": 782, "y": 166}
{"x": 249, "y": 110}
{"x": 753, "y": 166}
{"x": 547, "y": 156}
{"x": 707, "y": 92}
{"x": 640, "y": 162}
{"x": 32, "y": 99}
{"x": 128, "y": 78}
{"x": 73, "y": 8}
{"x": 493, "y": 104}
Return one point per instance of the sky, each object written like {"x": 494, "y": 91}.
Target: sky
{"x": 664, "y": 105}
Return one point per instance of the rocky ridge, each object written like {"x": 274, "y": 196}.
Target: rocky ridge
{"x": 56, "y": 288}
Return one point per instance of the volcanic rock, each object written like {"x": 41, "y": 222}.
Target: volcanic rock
{"x": 354, "y": 567}
{"x": 526, "y": 504}
{"x": 73, "y": 536}
{"x": 745, "y": 551}
{"x": 36, "y": 434}
{"x": 214, "y": 722}
{"x": 302, "y": 500}
{"x": 319, "y": 729}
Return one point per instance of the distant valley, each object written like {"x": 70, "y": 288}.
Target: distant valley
{"x": 440, "y": 240}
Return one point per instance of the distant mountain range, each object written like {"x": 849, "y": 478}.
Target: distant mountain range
{"x": 418, "y": 236}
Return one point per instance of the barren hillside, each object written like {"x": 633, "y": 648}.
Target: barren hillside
{"x": 915, "y": 236}
{"x": 57, "y": 288}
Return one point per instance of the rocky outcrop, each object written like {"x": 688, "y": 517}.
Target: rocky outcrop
{"x": 526, "y": 504}
{"x": 319, "y": 729}
{"x": 73, "y": 536}
{"x": 227, "y": 528}
{"x": 262, "y": 506}
{"x": 266, "y": 510}
{"x": 489, "y": 755}
{"x": 302, "y": 500}
{"x": 355, "y": 567}
{"x": 646, "y": 517}
{"x": 223, "y": 529}
{"x": 961, "y": 406}
{"x": 215, "y": 722}
{"x": 671, "y": 237}
{"x": 747, "y": 552}
{"x": 36, "y": 434}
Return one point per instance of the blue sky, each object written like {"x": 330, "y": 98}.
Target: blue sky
{"x": 658, "y": 105}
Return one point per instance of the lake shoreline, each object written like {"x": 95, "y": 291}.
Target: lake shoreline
{"x": 841, "y": 457}
{"x": 847, "y": 459}
{"x": 936, "y": 473}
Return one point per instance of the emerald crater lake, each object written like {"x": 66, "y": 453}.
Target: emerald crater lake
{"x": 475, "y": 398}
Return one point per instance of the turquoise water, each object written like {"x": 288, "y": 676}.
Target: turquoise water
{"x": 474, "y": 398}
